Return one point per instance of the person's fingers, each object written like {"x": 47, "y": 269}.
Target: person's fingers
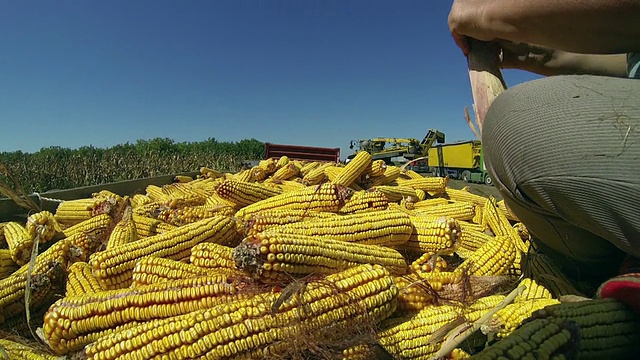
{"x": 462, "y": 42}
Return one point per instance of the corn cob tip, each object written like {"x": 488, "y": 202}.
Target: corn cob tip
{"x": 247, "y": 257}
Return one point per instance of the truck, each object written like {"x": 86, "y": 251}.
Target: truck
{"x": 305, "y": 153}
{"x": 463, "y": 160}
{"x": 388, "y": 148}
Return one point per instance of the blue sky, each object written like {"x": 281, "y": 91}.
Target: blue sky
{"x": 316, "y": 73}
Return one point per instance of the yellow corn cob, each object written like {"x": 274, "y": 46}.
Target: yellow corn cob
{"x": 361, "y": 352}
{"x": 522, "y": 231}
{"x": 156, "y": 194}
{"x": 404, "y": 207}
{"x": 511, "y": 316}
{"x": 124, "y": 231}
{"x": 193, "y": 195}
{"x": 113, "y": 267}
{"x": 467, "y": 225}
{"x": 282, "y": 162}
{"x": 391, "y": 173}
{"x": 325, "y": 197}
{"x": 493, "y": 258}
{"x": 276, "y": 257}
{"x": 244, "y": 193}
{"x": 495, "y": 219}
{"x": 80, "y": 280}
{"x": 464, "y": 195}
{"x": 459, "y": 354}
{"x": 421, "y": 194}
{"x": 140, "y": 199}
{"x": 470, "y": 241}
{"x": 413, "y": 295}
{"x": 397, "y": 193}
{"x": 285, "y": 185}
{"x": 478, "y": 218}
{"x": 19, "y": 242}
{"x": 335, "y": 308}
{"x": 89, "y": 242}
{"x": 354, "y": 169}
{"x": 457, "y": 210}
{"x": 544, "y": 271}
{"x": 506, "y": 211}
{"x": 208, "y": 173}
{"x": 151, "y": 270}
{"x": 183, "y": 179}
{"x": 429, "y": 203}
{"x": 317, "y": 175}
{"x": 245, "y": 176}
{"x": 106, "y": 194}
{"x": 210, "y": 256}
{"x": 267, "y": 219}
{"x": 410, "y": 174}
{"x": 479, "y": 308}
{"x": 333, "y": 171}
{"x": 259, "y": 173}
{"x": 435, "y": 234}
{"x": 286, "y": 172}
{"x": 365, "y": 200}
{"x": 43, "y": 225}
{"x": 24, "y": 351}
{"x": 533, "y": 291}
{"x": 378, "y": 168}
{"x": 516, "y": 266}
{"x": 437, "y": 280}
{"x": 72, "y": 212}
{"x": 146, "y": 226}
{"x": 380, "y": 227}
{"x": 269, "y": 165}
{"x": 408, "y": 203}
{"x": 47, "y": 280}
{"x": 75, "y": 321}
{"x": 407, "y": 338}
{"x": 428, "y": 262}
{"x": 7, "y": 265}
{"x": 96, "y": 224}
{"x": 304, "y": 169}
{"x": 189, "y": 214}
{"x": 434, "y": 185}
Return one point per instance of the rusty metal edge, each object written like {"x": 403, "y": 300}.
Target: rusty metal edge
{"x": 10, "y": 211}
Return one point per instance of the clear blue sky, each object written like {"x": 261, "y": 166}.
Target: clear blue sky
{"x": 319, "y": 73}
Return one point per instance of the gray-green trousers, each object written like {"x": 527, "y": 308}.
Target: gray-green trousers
{"x": 565, "y": 153}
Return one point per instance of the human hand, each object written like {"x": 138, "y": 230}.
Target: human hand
{"x": 465, "y": 21}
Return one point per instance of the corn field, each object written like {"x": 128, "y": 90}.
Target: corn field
{"x": 63, "y": 168}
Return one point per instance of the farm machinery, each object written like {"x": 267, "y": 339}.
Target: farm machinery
{"x": 388, "y": 148}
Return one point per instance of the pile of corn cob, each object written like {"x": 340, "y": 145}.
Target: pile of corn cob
{"x": 286, "y": 259}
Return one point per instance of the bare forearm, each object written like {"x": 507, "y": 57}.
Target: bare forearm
{"x": 579, "y": 26}
{"x": 556, "y": 62}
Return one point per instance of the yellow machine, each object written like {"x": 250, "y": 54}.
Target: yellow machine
{"x": 388, "y": 148}
{"x": 461, "y": 160}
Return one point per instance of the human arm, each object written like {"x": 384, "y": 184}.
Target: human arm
{"x": 578, "y": 26}
{"x": 548, "y": 62}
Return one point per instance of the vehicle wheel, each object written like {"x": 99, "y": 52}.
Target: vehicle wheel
{"x": 488, "y": 180}
{"x": 466, "y": 176}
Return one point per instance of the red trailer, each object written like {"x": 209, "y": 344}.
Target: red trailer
{"x": 297, "y": 152}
